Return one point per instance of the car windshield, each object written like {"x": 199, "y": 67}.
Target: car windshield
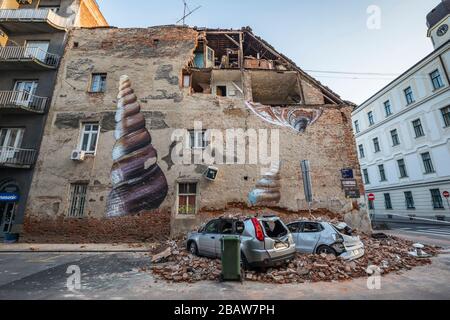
{"x": 274, "y": 229}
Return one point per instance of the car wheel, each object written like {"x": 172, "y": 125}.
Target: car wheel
{"x": 193, "y": 249}
{"x": 326, "y": 250}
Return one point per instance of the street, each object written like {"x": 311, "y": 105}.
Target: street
{"x": 124, "y": 275}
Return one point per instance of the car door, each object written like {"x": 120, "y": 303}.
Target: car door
{"x": 207, "y": 240}
{"x": 309, "y": 236}
{"x": 295, "y": 229}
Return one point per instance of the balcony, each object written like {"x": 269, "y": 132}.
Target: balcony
{"x": 32, "y": 21}
{"x": 17, "y": 158}
{"x": 22, "y": 102}
{"x": 25, "y": 58}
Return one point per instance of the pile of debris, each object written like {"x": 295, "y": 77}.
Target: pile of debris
{"x": 389, "y": 254}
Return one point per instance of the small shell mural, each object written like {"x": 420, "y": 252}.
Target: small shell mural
{"x": 268, "y": 189}
{"x": 138, "y": 182}
{"x": 296, "y": 118}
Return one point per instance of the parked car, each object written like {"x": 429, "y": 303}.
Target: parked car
{"x": 323, "y": 237}
{"x": 265, "y": 241}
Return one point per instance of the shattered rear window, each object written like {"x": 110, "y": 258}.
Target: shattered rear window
{"x": 274, "y": 229}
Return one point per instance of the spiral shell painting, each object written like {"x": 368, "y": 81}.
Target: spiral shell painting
{"x": 296, "y": 118}
{"x": 267, "y": 191}
{"x": 138, "y": 182}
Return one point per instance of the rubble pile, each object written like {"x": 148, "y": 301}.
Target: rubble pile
{"x": 391, "y": 254}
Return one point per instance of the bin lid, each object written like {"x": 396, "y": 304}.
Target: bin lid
{"x": 231, "y": 238}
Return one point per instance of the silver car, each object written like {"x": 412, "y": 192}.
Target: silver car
{"x": 265, "y": 242}
{"x": 323, "y": 237}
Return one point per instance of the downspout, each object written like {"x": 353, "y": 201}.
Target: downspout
{"x": 445, "y": 69}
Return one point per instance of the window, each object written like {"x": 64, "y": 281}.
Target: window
{"x": 376, "y": 145}
{"x": 418, "y": 129}
{"x": 197, "y": 139}
{"x": 436, "y": 80}
{"x": 437, "y": 199}
{"x": 371, "y": 205}
{"x": 427, "y": 162}
{"x": 221, "y": 91}
{"x": 89, "y": 137}
{"x": 38, "y": 50}
{"x": 446, "y": 115}
{"x": 371, "y": 118}
{"x": 10, "y": 144}
{"x": 382, "y": 172}
{"x": 409, "y": 200}
{"x": 98, "y": 83}
{"x": 212, "y": 227}
{"x": 311, "y": 227}
{"x": 357, "y": 129}
{"x": 395, "y": 138}
{"x": 77, "y": 200}
{"x": 388, "y": 108}
{"x": 402, "y": 168}
{"x": 24, "y": 93}
{"x": 387, "y": 201}
{"x": 366, "y": 176}
{"x": 361, "y": 151}
{"x": 187, "y": 198}
{"x": 409, "y": 95}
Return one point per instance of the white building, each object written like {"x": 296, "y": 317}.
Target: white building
{"x": 403, "y": 134}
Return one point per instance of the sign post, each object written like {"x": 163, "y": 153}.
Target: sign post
{"x": 446, "y": 195}
{"x": 371, "y": 198}
{"x": 307, "y": 186}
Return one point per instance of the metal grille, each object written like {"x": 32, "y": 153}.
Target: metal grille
{"x": 77, "y": 200}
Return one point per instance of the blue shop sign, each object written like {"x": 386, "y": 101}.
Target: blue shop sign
{"x": 9, "y": 197}
{"x": 347, "y": 173}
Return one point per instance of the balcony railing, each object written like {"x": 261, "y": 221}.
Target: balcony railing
{"x": 22, "y": 100}
{"x": 35, "y": 15}
{"x": 17, "y": 53}
{"x": 15, "y": 157}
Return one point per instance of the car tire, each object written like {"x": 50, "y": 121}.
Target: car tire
{"x": 193, "y": 249}
{"x": 326, "y": 250}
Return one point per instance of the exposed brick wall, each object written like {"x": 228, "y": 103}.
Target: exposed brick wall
{"x": 151, "y": 226}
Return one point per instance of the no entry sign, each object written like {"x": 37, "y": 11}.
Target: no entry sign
{"x": 371, "y": 197}
{"x": 446, "y": 194}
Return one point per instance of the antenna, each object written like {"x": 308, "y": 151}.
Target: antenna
{"x": 187, "y": 12}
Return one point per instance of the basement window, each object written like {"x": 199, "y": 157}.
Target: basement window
{"x": 77, "y": 200}
{"x": 187, "y": 198}
{"x": 221, "y": 91}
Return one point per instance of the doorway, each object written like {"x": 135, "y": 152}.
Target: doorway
{"x": 10, "y": 142}
{"x": 7, "y": 210}
{"x": 24, "y": 92}
{"x": 37, "y": 49}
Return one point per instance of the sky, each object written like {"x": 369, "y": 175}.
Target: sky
{"x": 325, "y": 35}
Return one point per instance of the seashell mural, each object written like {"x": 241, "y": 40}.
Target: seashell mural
{"x": 296, "y": 118}
{"x": 268, "y": 188}
{"x": 138, "y": 182}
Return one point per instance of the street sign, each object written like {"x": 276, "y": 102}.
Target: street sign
{"x": 371, "y": 197}
{"x": 349, "y": 183}
{"x": 9, "y": 197}
{"x": 352, "y": 193}
{"x": 446, "y": 194}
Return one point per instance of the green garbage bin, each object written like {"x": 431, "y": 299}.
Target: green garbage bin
{"x": 231, "y": 259}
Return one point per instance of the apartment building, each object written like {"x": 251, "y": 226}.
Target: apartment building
{"x": 99, "y": 176}
{"x": 403, "y": 134}
{"x": 33, "y": 36}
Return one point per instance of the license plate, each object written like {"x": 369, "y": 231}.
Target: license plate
{"x": 280, "y": 246}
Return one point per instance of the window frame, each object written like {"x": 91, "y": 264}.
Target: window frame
{"x": 357, "y": 128}
{"x": 388, "y": 107}
{"x": 371, "y": 118}
{"x": 409, "y": 200}
{"x": 376, "y": 145}
{"x": 409, "y": 95}
{"x": 446, "y": 116}
{"x": 77, "y": 202}
{"x": 388, "y": 201}
{"x": 102, "y": 85}
{"x": 434, "y": 196}
{"x": 436, "y": 78}
{"x": 427, "y": 163}
{"x": 404, "y": 172}
{"x": 395, "y": 138}
{"x": 362, "y": 153}
{"x": 382, "y": 173}
{"x": 193, "y": 136}
{"x": 187, "y": 195}
{"x": 366, "y": 176}
{"x": 90, "y": 133}
{"x": 419, "y": 131}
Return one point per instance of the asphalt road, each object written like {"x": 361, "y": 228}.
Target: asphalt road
{"x": 120, "y": 276}
{"x": 424, "y": 233}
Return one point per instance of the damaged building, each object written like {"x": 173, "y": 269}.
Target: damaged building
{"x": 92, "y": 175}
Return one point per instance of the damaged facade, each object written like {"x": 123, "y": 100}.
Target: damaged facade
{"x": 181, "y": 76}
{"x": 32, "y": 40}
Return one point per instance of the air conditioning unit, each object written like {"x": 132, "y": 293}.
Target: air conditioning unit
{"x": 77, "y": 155}
{"x": 211, "y": 173}
{"x": 24, "y": 1}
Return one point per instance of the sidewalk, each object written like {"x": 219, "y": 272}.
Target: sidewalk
{"x": 31, "y": 247}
